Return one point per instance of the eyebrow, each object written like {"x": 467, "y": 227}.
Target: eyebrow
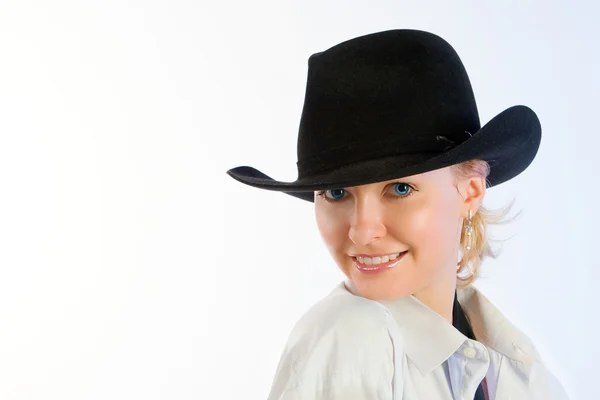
{"x": 406, "y": 179}
{"x": 409, "y": 180}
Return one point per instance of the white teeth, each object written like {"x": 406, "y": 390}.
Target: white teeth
{"x": 364, "y": 268}
{"x": 377, "y": 260}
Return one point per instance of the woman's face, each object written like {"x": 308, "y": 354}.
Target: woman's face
{"x": 421, "y": 214}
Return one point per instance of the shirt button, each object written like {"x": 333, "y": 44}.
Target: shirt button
{"x": 470, "y": 352}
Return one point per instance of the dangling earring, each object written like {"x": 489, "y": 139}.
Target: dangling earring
{"x": 469, "y": 230}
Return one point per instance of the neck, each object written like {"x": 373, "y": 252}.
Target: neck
{"x": 439, "y": 295}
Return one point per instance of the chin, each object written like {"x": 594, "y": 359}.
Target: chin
{"x": 380, "y": 289}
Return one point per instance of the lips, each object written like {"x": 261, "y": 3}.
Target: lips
{"x": 373, "y": 269}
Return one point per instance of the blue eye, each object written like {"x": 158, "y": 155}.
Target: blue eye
{"x": 402, "y": 190}
{"x": 406, "y": 187}
{"x": 337, "y": 194}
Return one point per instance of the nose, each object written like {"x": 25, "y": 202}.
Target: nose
{"x": 367, "y": 223}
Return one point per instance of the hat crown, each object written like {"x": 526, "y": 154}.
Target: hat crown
{"x": 382, "y": 94}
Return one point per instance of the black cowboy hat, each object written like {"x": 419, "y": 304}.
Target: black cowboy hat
{"x": 392, "y": 104}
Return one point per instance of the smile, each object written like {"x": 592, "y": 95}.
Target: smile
{"x": 377, "y": 268}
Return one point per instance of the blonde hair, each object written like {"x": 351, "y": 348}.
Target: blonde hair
{"x": 483, "y": 218}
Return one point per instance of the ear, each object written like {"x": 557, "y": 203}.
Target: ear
{"x": 472, "y": 191}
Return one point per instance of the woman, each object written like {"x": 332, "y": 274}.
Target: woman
{"x": 392, "y": 153}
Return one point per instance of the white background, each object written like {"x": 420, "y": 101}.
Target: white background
{"x": 133, "y": 267}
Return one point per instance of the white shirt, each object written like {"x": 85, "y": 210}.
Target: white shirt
{"x": 351, "y": 348}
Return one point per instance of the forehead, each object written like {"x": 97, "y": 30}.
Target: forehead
{"x": 435, "y": 176}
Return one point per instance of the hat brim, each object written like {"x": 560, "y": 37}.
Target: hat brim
{"x": 508, "y": 142}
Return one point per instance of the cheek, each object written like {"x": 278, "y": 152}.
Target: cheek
{"x": 333, "y": 232}
{"x": 429, "y": 232}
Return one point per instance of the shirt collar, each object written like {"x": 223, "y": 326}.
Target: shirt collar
{"x": 430, "y": 339}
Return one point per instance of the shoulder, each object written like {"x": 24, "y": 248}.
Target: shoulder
{"x": 342, "y": 342}
{"x": 344, "y": 313}
{"x": 545, "y": 383}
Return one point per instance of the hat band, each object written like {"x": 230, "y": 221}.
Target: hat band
{"x": 350, "y": 153}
